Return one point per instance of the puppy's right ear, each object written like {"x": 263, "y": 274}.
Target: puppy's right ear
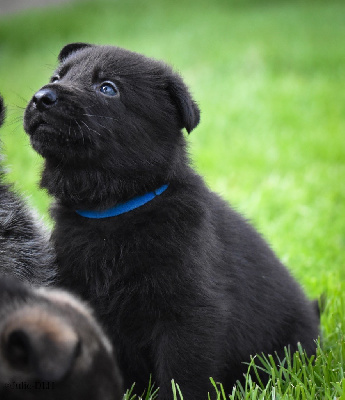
{"x": 187, "y": 107}
{"x": 71, "y": 48}
{"x": 2, "y": 110}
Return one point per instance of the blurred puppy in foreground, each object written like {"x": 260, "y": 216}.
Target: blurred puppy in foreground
{"x": 25, "y": 251}
{"x": 51, "y": 347}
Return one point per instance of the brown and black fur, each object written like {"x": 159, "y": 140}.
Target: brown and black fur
{"x": 25, "y": 251}
{"x": 52, "y": 348}
{"x": 184, "y": 285}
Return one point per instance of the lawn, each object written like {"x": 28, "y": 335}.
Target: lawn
{"x": 269, "y": 79}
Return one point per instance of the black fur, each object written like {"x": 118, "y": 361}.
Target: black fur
{"x": 69, "y": 49}
{"x": 25, "y": 251}
{"x": 186, "y": 288}
{"x": 52, "y": 348}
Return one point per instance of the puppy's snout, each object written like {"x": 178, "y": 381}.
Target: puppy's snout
{"x": 18, "y": 349}
{"x": 40, "y": 346}
{"x": 45, "y": 99}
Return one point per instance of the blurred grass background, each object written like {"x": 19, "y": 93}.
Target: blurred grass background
{"x": 269, "y": 77}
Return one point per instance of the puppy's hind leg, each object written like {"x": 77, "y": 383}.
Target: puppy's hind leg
{"x": 188, "y": 356}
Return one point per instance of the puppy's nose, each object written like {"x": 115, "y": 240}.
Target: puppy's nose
{"x": 43, "y": 349}
{"x": 45, "y": 98}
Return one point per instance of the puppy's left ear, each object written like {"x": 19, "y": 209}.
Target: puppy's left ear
{"x": 187, "y": 107}
{"x": 71, "y": 48}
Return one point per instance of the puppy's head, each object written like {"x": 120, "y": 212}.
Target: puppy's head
{"x": 50, "y": 339}
{"x": 106, "y": 105}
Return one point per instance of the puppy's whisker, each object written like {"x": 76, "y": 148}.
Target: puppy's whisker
{"x": 108, "y": 130}
{"x": 15, "y": 129}
{"x": 14, "y": 109}
{"x": 14, "y": 121}
{"x": 21, "y": 98}
{"x": 100, "y": 116}
{"x": 79, "y": 128}
{"x": 81, "y": 132}
{"x": 90, "y": 129}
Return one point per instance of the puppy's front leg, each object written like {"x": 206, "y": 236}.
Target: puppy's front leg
{"x": 190, "y": 356}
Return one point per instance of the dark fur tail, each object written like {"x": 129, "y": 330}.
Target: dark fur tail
{"x": 2, "y": 110}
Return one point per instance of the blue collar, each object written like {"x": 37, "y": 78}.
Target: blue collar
{"x": 124, "y": 207}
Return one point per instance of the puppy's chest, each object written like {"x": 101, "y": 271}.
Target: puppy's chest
{"x": 111, "y": 264}
{"x": 115, "y": 247}
{"x": 121, "y": 243}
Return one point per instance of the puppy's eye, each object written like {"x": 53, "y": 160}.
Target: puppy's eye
{"x": 55, "y": 78}
{"x": 108, "y": 88}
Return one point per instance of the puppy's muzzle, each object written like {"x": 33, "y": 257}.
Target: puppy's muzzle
{"x": 38, "y": 345}
{"x": 45, "y": 99}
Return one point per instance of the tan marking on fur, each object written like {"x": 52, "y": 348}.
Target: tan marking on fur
{"x": 40, "y": 323}
{"x": 67, "y": 299}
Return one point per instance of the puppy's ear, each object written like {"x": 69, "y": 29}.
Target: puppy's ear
{"x": 2, "y": 110}
{"x": 187, "y": 107}
{"x": 71, "y": 48}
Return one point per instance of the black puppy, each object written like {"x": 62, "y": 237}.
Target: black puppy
{"x": 185, "y": 286}
{"x": 25, "y": 251}
{"x": 52, "y": 348}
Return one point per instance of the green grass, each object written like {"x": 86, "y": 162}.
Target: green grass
{"x": 269, "y": 78}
